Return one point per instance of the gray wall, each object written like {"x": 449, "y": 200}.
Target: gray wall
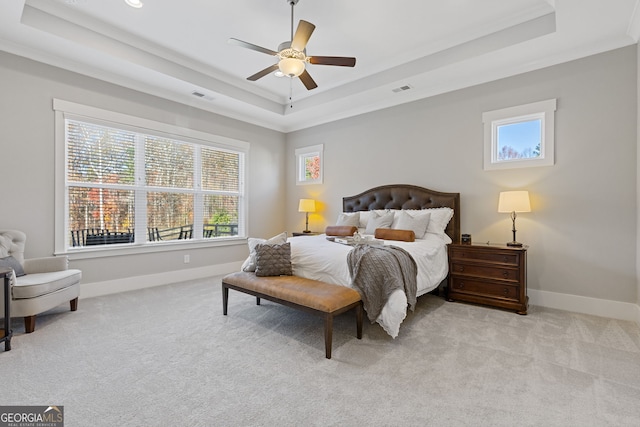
{"x": 582, "y": 230}
{"x": 27, "y": 163}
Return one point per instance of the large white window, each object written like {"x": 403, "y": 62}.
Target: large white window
{"x": 130, "y": 182}
{"x": 521, "y": 136}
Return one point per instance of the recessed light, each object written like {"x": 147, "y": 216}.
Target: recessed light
{"x": 134, "y": 3}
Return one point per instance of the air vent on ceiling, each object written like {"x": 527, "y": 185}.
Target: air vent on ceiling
{"x": 202, "y": 95}
{"x": 401, "y": 88}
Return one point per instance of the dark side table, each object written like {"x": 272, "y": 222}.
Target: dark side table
{"x": 6, "y": 333}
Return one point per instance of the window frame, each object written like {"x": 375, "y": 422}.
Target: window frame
{"x": 304, "y": 153}
{"x": 69, "y": 110}
{"x": 543, "y": 111}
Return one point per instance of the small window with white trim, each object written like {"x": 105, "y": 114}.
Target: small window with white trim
{"x": 519, "y": 137}
{"x": 309, "y": 165}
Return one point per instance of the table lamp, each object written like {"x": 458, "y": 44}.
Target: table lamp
{"x": 514, "y": 201}
{"x": 307, "y": 205}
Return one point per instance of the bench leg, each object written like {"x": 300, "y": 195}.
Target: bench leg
{"x": 225, "y": 299}
{"x": 359, "y": 321}
{"x": 328, "y": 334}
{"x": 257, "y": 300}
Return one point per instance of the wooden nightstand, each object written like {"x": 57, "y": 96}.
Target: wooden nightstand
{"x": 494, "y": 275}
{"x": 296, "y": 234}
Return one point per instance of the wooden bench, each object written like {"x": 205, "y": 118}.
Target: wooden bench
{"x": 317, "y": 297}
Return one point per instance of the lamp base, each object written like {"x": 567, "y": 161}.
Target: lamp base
{"x": 515, "y": 244}
{"x": 309, "y": 231}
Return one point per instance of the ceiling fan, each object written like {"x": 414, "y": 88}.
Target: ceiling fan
{"x": 292, "y": 55}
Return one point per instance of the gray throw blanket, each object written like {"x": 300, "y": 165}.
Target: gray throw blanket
{"x": 378, "y": 270}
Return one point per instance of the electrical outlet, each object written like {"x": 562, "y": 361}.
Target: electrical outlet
{"x": 187, "y": 259}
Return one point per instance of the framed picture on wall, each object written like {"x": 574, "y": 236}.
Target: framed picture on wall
{"x": 309, "y": 165}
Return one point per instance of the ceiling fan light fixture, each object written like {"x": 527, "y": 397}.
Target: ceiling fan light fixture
{"x": 134, "y": 3}
{"x": 291, "y": 67}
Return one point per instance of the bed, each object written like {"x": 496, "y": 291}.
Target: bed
{"x": 315, "y": 257}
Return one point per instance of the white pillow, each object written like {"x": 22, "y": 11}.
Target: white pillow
{"x": 377, "y": 220}
{"x": 364, "y": 218}
{"x": 250, "y": 263}
{"x": 440, "y": 217}
{"x": 365, "y": 215}
{"x": 350, "y": 219}
{"x": 412, "y": 220}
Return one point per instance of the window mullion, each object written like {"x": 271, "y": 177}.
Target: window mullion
{"x": 140, "y": 192}
{"x": 198, "y": 197}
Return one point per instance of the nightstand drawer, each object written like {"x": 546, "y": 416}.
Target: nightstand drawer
{"x": 506, "y": 257}
{"x": 488, "y": 289}
{"x": 488, "y": 271}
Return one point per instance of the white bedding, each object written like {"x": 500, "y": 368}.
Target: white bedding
{"x": 315, "y": 257}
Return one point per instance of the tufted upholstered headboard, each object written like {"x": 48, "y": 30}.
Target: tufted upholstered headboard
{"x": 403, "y": 196}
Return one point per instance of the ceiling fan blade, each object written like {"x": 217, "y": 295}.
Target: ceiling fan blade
{"x": 252, "y": 46}
{"x": 341, "y": 61}
{"x": 307, "y": 81}
{"x": 301, "y": 37}
{"x": 263, "y": 73}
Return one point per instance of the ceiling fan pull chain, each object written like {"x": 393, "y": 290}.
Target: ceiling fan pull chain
{"x": 290, "y": 93}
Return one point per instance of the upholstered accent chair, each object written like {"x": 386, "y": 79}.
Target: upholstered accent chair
{"x": 38, "y": 284}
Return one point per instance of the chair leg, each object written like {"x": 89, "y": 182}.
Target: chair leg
{"x": 74, "y": 304}
{"x": 29, "y": 324}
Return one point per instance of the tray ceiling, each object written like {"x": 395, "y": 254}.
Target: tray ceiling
{"x": 174, "y": 48}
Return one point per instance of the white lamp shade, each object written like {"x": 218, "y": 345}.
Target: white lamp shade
{"x": 514, "y": 201}
{"x": 307, "y": 205}
{"x": 291, "y": 67}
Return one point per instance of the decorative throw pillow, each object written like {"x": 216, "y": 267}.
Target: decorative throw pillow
{"x": 273, "y": 260}
{"x": 250, "y": 263}
{"x": 351, "y": 219}
{"x": 417, "y": 221}
{"x": 377, "y": 220}
{"x": 399, "y": 235}
{"x": 11, "y": 262}
{"x": 340, "y": 230}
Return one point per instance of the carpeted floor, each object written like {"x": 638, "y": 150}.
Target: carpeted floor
{"x": 167, "y": 356}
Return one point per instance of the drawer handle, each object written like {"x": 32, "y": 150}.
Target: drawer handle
{"x": 505, "y": 274}
{"x": 460, "y": 285}
{"x": 461, "y": 268}
{"x": 505, "y": 259}
{"x": 506, "y": 291}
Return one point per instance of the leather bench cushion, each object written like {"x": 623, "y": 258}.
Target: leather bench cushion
{"x": 324, "y": 297}
{"x": 38, "y": 284}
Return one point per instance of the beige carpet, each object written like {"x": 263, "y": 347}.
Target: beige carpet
{"x": 167, "y": 356}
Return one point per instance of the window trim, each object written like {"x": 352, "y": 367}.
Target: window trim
{"x": 70, "y": 110}
{"x": 301, "y": 154}
{"x": 542, "y": 110}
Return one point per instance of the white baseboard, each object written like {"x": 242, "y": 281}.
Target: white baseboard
{"x": 96, "y": 289}
{"x": 587, "y": 305}
{"x": 575, "y": 303}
